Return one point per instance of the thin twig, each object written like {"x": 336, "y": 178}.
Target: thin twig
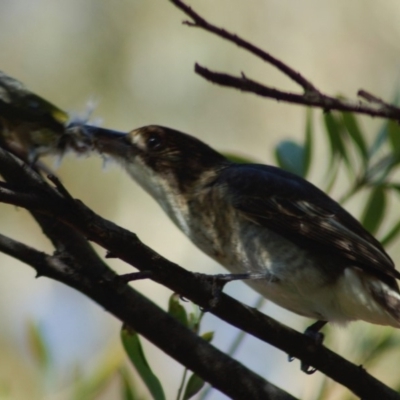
{"x": 311, "y": 96}
{"x": 200, "y": 22}
{"x": 327, "y": 103}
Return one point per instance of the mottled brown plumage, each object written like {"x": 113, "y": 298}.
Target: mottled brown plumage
{"x": 315, "y": 259}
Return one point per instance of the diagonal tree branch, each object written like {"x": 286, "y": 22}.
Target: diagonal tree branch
{"x": 132, "y": 308}
{"x": 125, "y": 245}
{"x": 77, "y": 265}
{"x": 311, "y": 96}
{"x": 200, "y": 22}
{"x": 327, "y": 103}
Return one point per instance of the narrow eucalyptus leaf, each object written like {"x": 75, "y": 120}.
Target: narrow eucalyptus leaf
{"x": 208, "y": 336}
{"x": 177, "y": 310}
{"x": 133, "y": 347}
{"x": 394, "y": 135}
{"x": 308, "y": 143}
{"x": 394, "y": 186}
{"x": 374, "y": 210}
{"x": 391, "y": 235}
{"x": 334, "y": 129}
{"x": 194, "y": 385}
{"x": 351, "y": 124}
{"x": 380, "y": 139}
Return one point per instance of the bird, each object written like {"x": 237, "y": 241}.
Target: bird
{"x": 306, "y": 253}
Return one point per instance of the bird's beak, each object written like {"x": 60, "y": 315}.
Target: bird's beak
{"x": 107, "y": 141}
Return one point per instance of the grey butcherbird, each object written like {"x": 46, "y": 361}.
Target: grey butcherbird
{"x": 308, "y": 254}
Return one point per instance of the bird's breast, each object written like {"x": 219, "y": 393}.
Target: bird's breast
{"x": 241, "y": 245}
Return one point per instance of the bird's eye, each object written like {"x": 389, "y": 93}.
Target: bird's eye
{"x": 154, "y": 142}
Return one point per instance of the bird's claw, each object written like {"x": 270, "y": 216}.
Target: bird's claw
{"x": 217, "y": 285}
{"x": 313, "y": 333}
{"x": 308, "y": 369}
{"x": 318, "y": 337}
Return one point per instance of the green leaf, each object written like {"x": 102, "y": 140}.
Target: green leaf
{"x": 351, "y": 124}
{"x": 395, "y": 186}
{"x": 290, "y": 156}
{"x": 176, "y": 310}
{"x": 374, "y": 210}
{"x": 195, "y": 320}
{"x": 391, "y": 234}
{"x": 378, "y": 173}
{"x": 133, "y": 347}
{"x": 194, "y": 385}
{"x": 379, "y": 141}
{"x": 37, "y": 344}
{"x": 128, "y": 391}
{"x": 208, "y": 336}
{"x": 394, "y": 135}
{"x": 334, "y": 130}
{"x": 308, "y": 143}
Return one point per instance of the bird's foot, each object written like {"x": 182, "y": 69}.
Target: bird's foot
{"x": 219, "y": 281}
{"x": 312, "y": 332}
{"x": 217, "y": 286}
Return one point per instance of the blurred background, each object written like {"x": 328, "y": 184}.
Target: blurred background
{"x": 134, "y": 60}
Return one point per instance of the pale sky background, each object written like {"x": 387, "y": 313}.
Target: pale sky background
{"x": 135, "y": 60}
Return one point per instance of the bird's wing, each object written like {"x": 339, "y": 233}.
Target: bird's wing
{"x": 303, "y": 214}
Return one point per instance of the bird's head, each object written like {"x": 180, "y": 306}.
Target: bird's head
{"x": 159, "y": 158}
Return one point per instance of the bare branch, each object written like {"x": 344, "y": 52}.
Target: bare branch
{"x": 132, "y": 308}
{"x": 327, "y": 103}
{"x": 311, "y": 95}
{"x": 200, "y": 22}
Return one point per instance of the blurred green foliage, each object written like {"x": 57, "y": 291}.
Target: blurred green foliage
{"x": 372, "y": 165}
